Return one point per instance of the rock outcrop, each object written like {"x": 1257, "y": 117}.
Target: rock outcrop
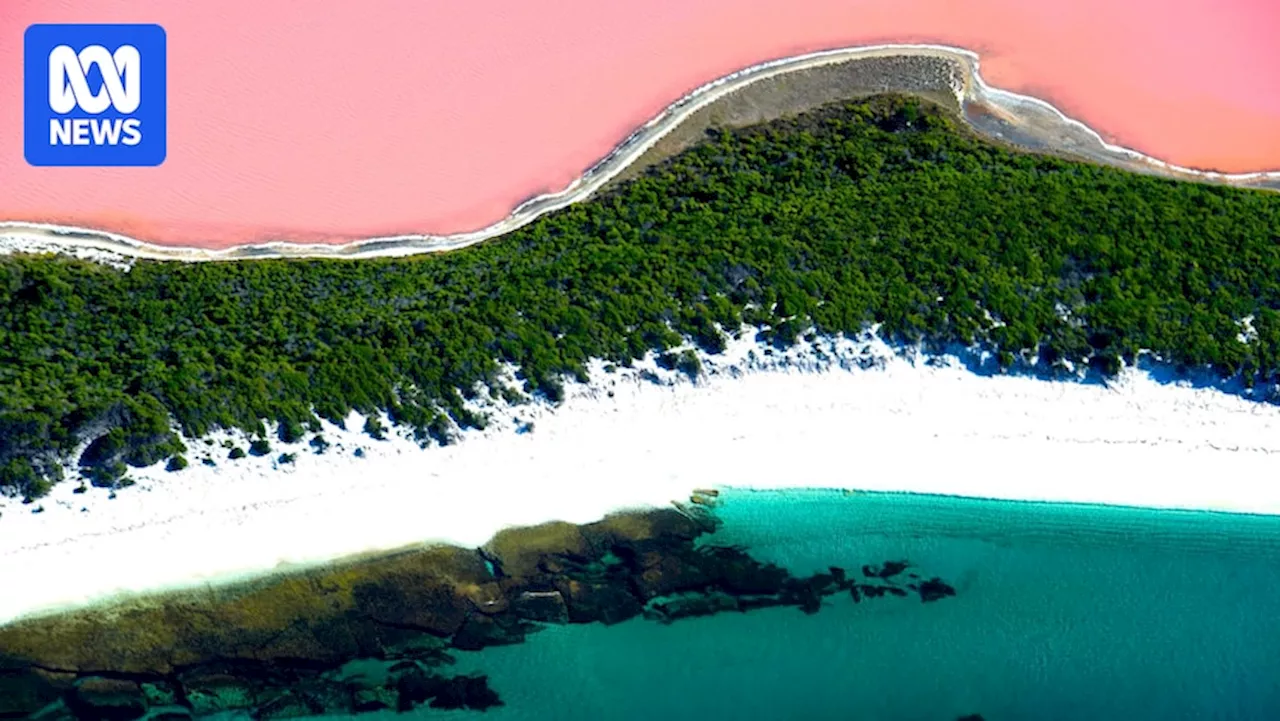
{"x": 278, "y": 646}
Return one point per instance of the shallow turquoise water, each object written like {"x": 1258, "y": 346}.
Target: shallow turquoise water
{"x": 1062, "y": 613}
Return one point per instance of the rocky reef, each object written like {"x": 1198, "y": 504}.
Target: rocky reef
{"x": 377, "y": 633}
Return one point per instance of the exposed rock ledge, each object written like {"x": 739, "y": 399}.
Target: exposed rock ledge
{"x": 278, "y": 646}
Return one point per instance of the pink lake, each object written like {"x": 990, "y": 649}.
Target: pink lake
{"x": 402, "y": 116}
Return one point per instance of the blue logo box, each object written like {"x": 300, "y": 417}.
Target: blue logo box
{"x": 94, "y": 95}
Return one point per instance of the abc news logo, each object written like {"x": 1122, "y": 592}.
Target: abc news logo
{"x": 69, "y": 89}
{"x": 95, "y": 95}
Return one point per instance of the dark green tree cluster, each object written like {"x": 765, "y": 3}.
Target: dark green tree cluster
{"x": 884, "y": 211}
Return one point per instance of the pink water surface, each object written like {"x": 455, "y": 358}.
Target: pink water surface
{"x": 302, "y": 120}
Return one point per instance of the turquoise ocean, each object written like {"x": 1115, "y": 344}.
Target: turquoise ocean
{"x": 1062, "y": 613}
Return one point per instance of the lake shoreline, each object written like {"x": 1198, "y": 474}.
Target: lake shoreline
{"x": 1002, "y": 116}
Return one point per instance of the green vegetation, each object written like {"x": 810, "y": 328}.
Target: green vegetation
{"x": 236, "y": 453}
{"x": 374, "y": 428}
{"x": 878, "y": 212}
{"x": 686, "y": 361}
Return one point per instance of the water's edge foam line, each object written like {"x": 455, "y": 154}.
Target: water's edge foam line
{"x": 20, "y": 235}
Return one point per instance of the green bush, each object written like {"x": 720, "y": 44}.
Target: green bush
{"x": 291, "y": 431}
{"x": 880, "y": 212}
{"x": 374, "y": 428}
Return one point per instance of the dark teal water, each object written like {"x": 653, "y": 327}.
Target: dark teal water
{"x": 1063, "y": 613}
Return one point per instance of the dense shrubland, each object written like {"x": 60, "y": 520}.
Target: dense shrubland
{"x": 877, "y": 212}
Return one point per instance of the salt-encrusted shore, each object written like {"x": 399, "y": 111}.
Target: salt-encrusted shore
{"x": 1007, "y": 116}
{"x": 835, "y": 414}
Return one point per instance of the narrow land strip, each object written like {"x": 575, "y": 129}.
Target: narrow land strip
{"x": 763, "y": 92}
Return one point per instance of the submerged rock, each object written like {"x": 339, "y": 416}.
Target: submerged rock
{"x": 214, "y": 692}
{"x": 469, "y": 692}
{"x": 373, "y": 699}
{"x": 457, "y": 692}
{"x": 289, "y": 704}
{"x": 480, "y": 631}
{"x": 668, "y": 609}
{"x": 608, "y": 603}
{"x": 870, "y": 591}
{"x": 665, "y": 573}
{"x": 935, "y": 589}
{"x": 885, "y": 571}
{"x": 24, "y": 690}
{"x": 274, "y": 646}
{"x": 416, "y": 687}
{"x": 104, "y": 699}
{"x": 56, "y": 711}
{"x": 159, "y": 694}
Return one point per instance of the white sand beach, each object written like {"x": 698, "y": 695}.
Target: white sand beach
{"x": 837, "y": 414}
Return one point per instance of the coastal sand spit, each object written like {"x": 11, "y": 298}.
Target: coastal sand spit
{"x": 767, "y": 91}
{"x": 441, "y": 118}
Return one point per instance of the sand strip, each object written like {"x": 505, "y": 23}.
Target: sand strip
{"x": 849, "y": 415}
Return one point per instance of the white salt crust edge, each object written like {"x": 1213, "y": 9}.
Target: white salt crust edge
{"x": 23, "y": 236}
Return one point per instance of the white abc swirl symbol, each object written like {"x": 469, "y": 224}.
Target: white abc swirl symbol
{"x": 121, "y": 79}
